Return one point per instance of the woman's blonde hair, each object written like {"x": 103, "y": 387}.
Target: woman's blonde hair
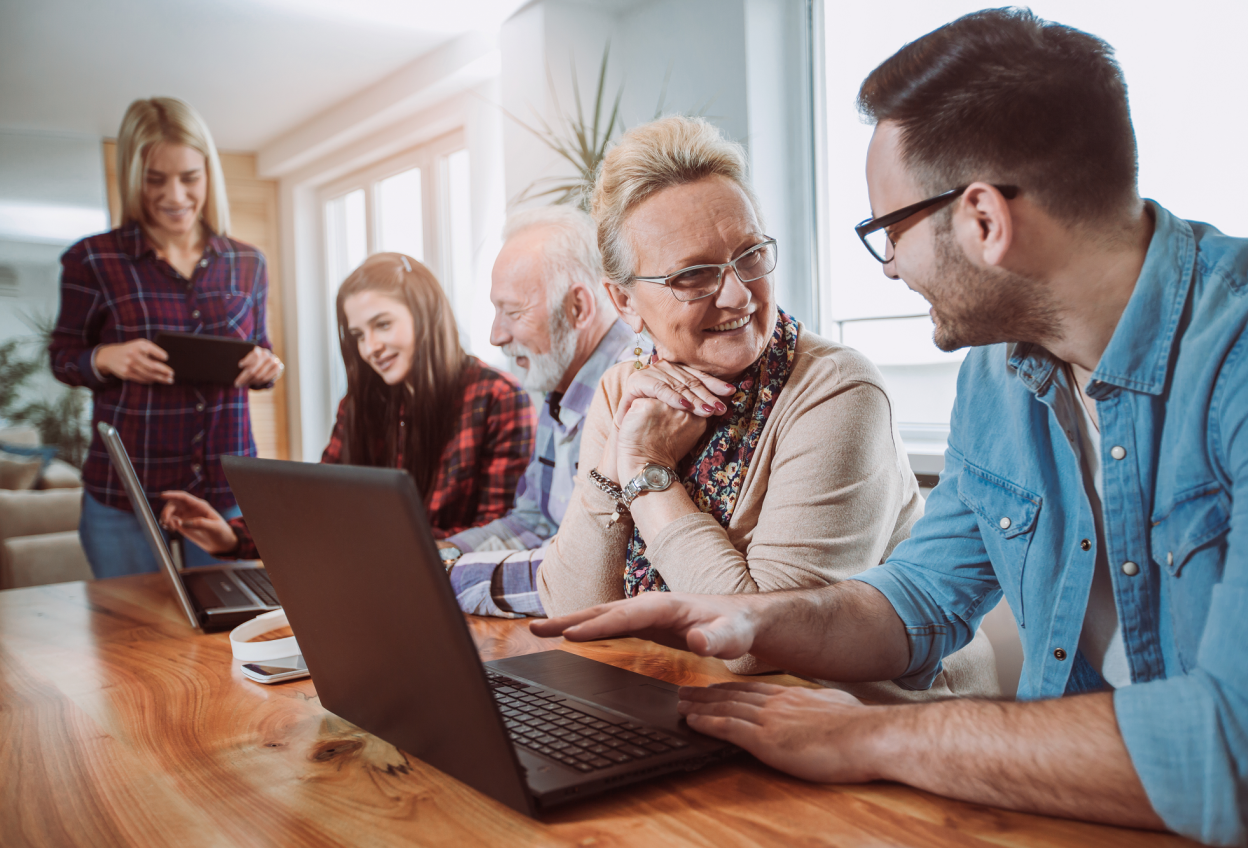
{"x": 166, "y": 120}
{"x": 649, "y": 158}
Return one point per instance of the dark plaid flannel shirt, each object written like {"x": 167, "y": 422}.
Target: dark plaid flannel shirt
{"x": 481, "y": 464}
{"x": 114, "y": 289}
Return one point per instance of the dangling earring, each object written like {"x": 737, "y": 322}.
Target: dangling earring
{"x": 639, "y": 364}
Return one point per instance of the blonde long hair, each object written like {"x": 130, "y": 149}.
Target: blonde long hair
{"x": 166, "y": 119}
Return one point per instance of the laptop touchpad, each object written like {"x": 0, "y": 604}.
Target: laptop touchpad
{"x": 655, "y": 705}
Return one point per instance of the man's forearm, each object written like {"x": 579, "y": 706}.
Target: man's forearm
{"x": 1062, "y": 757}
{"x": 846, "y": 632}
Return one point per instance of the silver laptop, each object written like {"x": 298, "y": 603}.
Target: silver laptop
{"x": 215, "y": 597}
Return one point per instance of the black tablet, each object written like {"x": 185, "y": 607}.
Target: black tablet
{"x": 197, "y": 358}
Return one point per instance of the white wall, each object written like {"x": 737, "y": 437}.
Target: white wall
{"x": 455, "y": 88}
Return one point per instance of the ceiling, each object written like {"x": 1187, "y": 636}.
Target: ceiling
{"x": 253, "y": 68}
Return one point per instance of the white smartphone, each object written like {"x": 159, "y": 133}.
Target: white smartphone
{"x": 277, "y": 671}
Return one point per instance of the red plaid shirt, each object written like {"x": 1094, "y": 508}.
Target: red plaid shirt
{"x": 114, "y": 289}
{"x": 481, "y": 464}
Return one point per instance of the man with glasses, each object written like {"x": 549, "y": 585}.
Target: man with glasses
{"x": 1096, "y": 475}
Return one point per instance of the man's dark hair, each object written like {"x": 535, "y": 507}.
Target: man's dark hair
{"x": 1003, "y": 96}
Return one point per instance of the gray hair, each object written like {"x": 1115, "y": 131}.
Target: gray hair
{"x": 649, "y": 158}
{"x": 571, "y": 254}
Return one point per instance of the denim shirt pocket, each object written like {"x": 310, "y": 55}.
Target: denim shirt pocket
{"x": 1007, "y": 518}
{"x": 1193, "y": 519}
{"x": 1188, "y": 540}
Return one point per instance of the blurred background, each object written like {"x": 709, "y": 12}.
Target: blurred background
{"x": 353, "y": 126}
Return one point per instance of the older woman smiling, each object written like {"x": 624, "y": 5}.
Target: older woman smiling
{"x": 749, "y": 454}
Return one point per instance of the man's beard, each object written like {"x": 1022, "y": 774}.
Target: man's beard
{"x": 982, "y": 307}
{"x": 546, "y": 370}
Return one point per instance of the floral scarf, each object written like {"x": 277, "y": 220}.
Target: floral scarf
{"x": 713, "y": 470}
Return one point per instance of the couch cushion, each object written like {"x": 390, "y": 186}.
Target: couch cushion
{"x": 23, "y": 435}
{"x": 36, "y": 560}
{"x": 19, "y": 472}
{"x": 34, "y": 513}
{"x": 60, "y": 475}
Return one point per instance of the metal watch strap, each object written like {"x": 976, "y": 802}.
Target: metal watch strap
{"x": 638, "y": 484}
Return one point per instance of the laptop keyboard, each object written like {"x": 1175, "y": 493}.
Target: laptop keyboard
{"x": 545, "y": 723}
{"x": 257, "y": 580}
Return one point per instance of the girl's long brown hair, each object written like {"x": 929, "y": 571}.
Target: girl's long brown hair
{"x": 427, "y": 401}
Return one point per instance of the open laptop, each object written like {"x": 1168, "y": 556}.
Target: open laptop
{"x": 215, "y": 597}
{"x": 352, "y": 556}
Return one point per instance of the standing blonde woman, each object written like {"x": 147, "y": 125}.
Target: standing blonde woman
{"x": 170, "y": 266}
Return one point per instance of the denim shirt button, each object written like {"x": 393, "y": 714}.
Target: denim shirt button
{"x": 1005, "y": 523}
{"x": 1059, "y": 654}
{"x": 1118, "y": 452}
{"x": 1086, "y": 545}
{"x": 1130, "y": 569}
{"x": 1169, "y": 557}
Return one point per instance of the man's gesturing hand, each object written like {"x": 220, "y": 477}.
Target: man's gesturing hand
{"x": 721, "y": 626}
{"x": 814, "y": 734}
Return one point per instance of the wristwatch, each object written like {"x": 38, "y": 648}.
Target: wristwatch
{"x": 653, "y": 478}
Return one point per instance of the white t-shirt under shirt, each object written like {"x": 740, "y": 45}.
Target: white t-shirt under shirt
{"x": 1101, "y": 639}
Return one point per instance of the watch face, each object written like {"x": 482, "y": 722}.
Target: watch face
{"x": 657, "y": 477}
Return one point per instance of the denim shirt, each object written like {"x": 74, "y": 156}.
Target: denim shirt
{"x": 1011, "y": 517}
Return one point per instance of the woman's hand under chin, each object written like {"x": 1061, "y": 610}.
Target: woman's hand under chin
{"x": 653, "y": 432}
{"x": 680, "y": 387}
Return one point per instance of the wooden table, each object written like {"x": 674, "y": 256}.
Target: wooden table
{"x": 120, "y": 726}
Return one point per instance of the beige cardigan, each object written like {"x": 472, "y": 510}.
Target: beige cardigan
{"x": 828, "y": 494}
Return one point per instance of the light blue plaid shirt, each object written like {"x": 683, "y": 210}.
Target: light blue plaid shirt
{"x": 518, "y": 540}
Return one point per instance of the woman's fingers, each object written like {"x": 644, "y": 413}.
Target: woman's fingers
{"x": 152, "y": 350}
{"x": 697, "y": 387}
{"x": 716, "y": 385}
{"x": 683, "y": 389}
{"x": 259, "y": 366}
{"x": 184, "y": 505}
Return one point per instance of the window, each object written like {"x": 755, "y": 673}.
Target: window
{"x": 1186, "y": 171}
{"x": 418, "y": 204}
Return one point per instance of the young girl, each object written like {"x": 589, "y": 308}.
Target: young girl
{"x": 414, "y": 400}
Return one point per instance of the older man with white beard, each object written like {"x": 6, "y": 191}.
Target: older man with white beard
{"x": 554, "y": 320}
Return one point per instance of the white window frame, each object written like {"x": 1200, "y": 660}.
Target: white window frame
{"x": 431, "y": 158}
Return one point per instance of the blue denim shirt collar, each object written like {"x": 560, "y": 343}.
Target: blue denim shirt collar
{"x": 1152, "y": 316}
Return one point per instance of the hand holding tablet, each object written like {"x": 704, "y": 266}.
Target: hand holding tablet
{"x": 197, "y": 358}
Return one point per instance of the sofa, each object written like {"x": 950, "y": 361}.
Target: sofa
{"x": 40, "y": 503}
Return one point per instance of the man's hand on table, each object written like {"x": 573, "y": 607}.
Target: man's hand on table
{"x": 1062, "y": 757}
{"x": 810, "y": 733}
{"x": 708, "y": 625}
{"x": 814, "y": 734}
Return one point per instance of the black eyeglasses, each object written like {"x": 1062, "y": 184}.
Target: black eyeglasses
{"x": 874, "y": 231}
{"x": 699, "y": 281}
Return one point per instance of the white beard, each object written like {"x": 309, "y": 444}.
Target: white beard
{"x": 546, "y": 370}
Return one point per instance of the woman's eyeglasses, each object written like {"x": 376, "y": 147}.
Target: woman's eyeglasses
{"x": 699, "y": 281}
{"x": 874, "y": 231}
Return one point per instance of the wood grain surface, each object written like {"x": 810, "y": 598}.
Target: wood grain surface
{"x": 121, "y": 726}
